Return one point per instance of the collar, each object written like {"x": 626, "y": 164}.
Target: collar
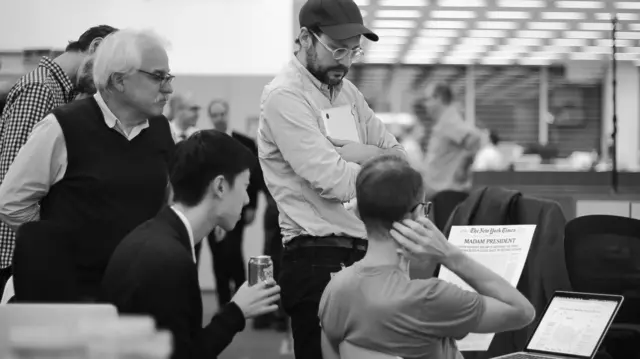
{"x": 63, "y": 80}
{"x": 330, "y": 91}
{"x": 186, "y": 223}
{"x": 109, "y": 118}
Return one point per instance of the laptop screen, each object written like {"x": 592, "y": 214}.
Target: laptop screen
{"x": 574, "y": 324}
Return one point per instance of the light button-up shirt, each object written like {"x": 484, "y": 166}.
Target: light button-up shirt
{"x": 306, "y": 176}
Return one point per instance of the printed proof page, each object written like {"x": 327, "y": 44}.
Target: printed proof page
{"x": 502, "y": 249}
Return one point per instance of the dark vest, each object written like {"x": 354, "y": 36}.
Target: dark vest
{"x": 111, "y": 184}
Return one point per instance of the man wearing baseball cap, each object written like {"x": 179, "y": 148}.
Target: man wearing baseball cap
{"x": 310, "y": 159}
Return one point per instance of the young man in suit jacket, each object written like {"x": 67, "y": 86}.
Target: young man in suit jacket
{"x": 153, "y": 271}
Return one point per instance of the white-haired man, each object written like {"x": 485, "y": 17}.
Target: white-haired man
{"x": 99, "y": 165}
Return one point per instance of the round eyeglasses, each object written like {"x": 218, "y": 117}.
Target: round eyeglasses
{"x": 341, "y": 53}
{"x": 163, "y": 79}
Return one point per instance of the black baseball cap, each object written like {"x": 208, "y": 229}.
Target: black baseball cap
{"x": 339, "y": 19}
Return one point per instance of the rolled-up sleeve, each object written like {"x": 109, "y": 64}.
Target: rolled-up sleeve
{"x": 295, "y": 131}
{"x": 40, "y": 163}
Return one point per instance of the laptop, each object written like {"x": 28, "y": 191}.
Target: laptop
{"x": 573, "y": 325}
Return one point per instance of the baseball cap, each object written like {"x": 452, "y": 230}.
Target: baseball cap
{"x": 339, "y": 19}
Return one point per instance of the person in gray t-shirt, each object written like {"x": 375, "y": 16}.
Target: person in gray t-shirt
{"x": 374, "y": 304}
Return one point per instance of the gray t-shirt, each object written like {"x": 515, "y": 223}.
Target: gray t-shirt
{"x": 381, "y": 309}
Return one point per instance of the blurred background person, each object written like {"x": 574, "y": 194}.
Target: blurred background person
{"x": 36, "y": 94}
{"x": 99, "y": 165}
{"x": 452, "y": 146}
{"x": 489, "y": 158}
{"x": 84, "y": 81}
{"x": 184, "y": 113}
{"x": 411, "y": 140}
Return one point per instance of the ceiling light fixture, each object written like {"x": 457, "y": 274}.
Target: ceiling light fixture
{"x": 398, "y": 14}
{"x": 562, "y": 15}
{"x": 403, "y": 3}
{"x": 394, "y": 24}
{"x": 547, "y": 25}
{"x": 445, "y": 24}
{"x": 518, "y": 15}
{"x": 521, "y": 3}
{"x": 579, "y": 4}
{"x": 452, "y": 14}
{"x": 628, "y": 5}
{"x": 498, "y": 25}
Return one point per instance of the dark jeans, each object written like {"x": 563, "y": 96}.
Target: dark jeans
{"x": 305, "y": 274}
{"x": 5, "y": 273}
{"x": 228, "y": 263}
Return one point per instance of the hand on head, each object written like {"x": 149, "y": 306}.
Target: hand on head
{"x": 258, "y": 299}
{"x": 421, "y": 241}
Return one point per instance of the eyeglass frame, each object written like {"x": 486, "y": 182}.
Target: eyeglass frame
{"x": 354, "y": 54}
{"x": 426, "y": 209}
{"x": 163, "y": 80}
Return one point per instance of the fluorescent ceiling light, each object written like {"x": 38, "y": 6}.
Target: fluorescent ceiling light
{"x": 556, "y": 49}
{"x": 378, "y": 47}
{"x": 609, "y": 42}
{"x": 518, "y": 15}
{"x": 487, "y": 33}
{"x": 380, "y": 55}
{"x": 453, "y": 14}
{"x": 534, "y": 62}
{"x": 544, "y": 55}
{"x": 595, "y": 26}
{"x": 628, "y": 5}
{"x": 596, "y": 49}
{"x": 627, "y": 56}
{"x": 634, "y": 27}
{"x": 433, "y": 40}
{"x": 513, "y": 49}
{"x": 496, "y": 61}
{"x": 580, "y": 4}
{"x": 362, "y": 2}
{"x": 426, "y": 52}
{"x": 398, "y": 13}
{"x": 621, "y": 16}
{"x": 547, "y": 25}
{"x": 568, "y": 42}
{"x": 536, "y": 34}
{"x": 462, "y": 3}
{"x": 379, "y": 60}
{"x": 464, "y": 55}
{"x": 420, "y": 61}
{"x": 562, "y": 15}
{"x": 458, "y": 61}
{"x": 499, "y": 25}
{"x": 582, "y": 34}
{"x": 392, "y": 32}
{"x": 635, "y": 49}
{"x": 439, "y": 33}
{"x": 399, "y": 3}
{"x": 445, "y": 24}
{"x": 394, "y": 24}
{"x": 475, "y": 41}
{"x": 461, "y": 49}
{"x": 524, "y": 42}
{"x": 584, "y": 56}
{"x": 392, "y": 40}
{"x": 629, "y": 35}
{"x": 521, "y": 3}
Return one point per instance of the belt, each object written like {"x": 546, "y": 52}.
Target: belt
{"x": 327, "y": 241}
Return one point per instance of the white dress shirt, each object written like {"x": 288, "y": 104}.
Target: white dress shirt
{"x": 186, "y": 223}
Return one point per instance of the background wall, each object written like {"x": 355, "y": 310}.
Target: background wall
{"x": 207, "y": 36}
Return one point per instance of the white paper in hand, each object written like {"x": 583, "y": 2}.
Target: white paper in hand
{"x": 502, "y": 249}
{"x": 340, "y": 123}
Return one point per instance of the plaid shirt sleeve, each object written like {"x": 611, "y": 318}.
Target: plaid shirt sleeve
{"x": 30, "y": 106}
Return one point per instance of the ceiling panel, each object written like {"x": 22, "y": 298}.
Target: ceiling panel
{"x": 499, "y": 32}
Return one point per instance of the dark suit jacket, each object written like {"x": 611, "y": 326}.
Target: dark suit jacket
{"x": 152, "y": 272}
{"x": 256, "y": 181}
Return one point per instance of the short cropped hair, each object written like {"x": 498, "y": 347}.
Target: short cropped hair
{"x": 202, "y": 157}
{"x": 217, "y": 101}
{"x": 121, "y": 52}
{"x": 443, "y": 92}
{"x": 387, "y": 189}
{"x": 85, "y": 40}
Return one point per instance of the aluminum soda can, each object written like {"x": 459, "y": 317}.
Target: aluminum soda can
{"x": 260, "y": 269}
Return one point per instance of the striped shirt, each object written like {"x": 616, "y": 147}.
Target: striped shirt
{"x": 28, "y": 102}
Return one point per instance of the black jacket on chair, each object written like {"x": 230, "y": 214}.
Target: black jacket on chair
{"x": 544, "y": 271}
{"x": 152, "y": 272}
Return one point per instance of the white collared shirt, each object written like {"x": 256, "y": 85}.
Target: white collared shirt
{"x": 186, "y": 223}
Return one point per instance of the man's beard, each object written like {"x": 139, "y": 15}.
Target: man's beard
{"x": 322, "y": 74}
